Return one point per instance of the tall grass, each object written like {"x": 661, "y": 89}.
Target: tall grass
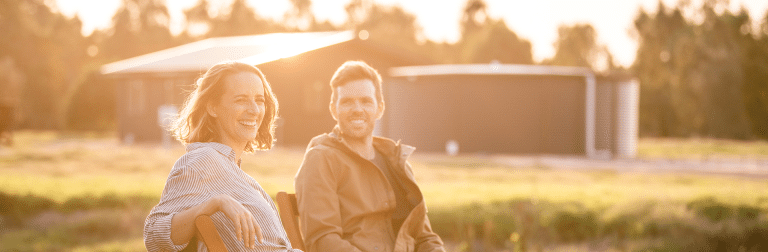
{"x": 58, "y": 191}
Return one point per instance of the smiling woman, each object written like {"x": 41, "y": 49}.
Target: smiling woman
{"x": 231, "y": 111}
{"x": 240, "y": 109}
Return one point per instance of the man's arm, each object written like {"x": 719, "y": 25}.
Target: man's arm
{"x": 318, "y": 205}
{"x": 427, "y": 240}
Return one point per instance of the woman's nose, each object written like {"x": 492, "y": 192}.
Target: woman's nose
{"x": 253, "y": 107}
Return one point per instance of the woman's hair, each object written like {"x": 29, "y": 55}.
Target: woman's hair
{"x": 194, "y": 124}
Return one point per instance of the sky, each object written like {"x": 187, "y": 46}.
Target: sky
{"x": 536, "y": 21}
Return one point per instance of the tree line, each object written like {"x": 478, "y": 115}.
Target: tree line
{"x": 703, "y": 71}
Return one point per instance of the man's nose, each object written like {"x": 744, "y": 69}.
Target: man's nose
{"x": 358, "y": 106}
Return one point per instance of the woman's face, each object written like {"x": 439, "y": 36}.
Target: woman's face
{"x": 240, "y": 110}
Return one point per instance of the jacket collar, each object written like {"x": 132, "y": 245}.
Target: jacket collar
{"x": 384, "y": 145}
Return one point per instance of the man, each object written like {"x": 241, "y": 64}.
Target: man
{"x": 356, "y": 192}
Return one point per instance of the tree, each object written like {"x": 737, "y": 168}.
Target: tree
{"x": 240, "y": 20}
{"x": 49, "y": 51}
{"x": 485, "y": 40}
{"x": 138, "y": 27}
{"x": 198, "y": 19}
{"x": 695, "y": 78}
{"x": 755, "y": 88}
{"x": 577, "y": 45}
{"x": 300, "y": 16}
{"x": 656, "y": 63}
{"x": 389, "y": 27}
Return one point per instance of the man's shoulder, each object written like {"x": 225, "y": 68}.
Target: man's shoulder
{"x": 321, "y": 142}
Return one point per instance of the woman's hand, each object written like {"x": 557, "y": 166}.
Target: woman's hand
{"x": 245, "y": 225}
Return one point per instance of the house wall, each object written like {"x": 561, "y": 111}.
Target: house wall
{"x": 488, "y": 113}
{"x": 301, "y": 84}
{"x": 139, "y": 97}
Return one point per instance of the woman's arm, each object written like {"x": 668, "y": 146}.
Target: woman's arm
{"x": 170, "y": 224}
{"x": 183, "y": 227}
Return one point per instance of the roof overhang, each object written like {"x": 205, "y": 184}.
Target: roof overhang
{"x": 201, "y": 55}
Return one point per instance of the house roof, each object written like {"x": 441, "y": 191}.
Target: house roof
{"x": 253, "y": 50}
{"x": 488, "y": 69}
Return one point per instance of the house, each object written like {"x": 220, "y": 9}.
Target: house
{"x": 521, "y": 109}
{"x": 299, "y": 67}
{"x": 478, "y": 108}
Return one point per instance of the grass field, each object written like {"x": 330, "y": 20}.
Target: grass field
{"x": 89, "y": 178}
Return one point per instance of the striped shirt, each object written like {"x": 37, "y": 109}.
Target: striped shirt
{"x": 207, "y": 170}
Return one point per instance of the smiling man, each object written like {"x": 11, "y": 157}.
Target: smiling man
{"x": 356, "y": 192}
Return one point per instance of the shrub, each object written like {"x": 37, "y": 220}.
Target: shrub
{"x": 16, "y": 208}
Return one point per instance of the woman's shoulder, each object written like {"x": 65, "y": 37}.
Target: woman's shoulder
{"x": 198, "y": 154}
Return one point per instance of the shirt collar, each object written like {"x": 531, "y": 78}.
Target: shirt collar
{"x": 219, "y": 147}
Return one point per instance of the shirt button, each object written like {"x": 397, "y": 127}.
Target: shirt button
{"x": 376, "y": 248}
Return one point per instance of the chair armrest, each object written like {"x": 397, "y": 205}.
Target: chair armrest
{"x": 207, "y": 232}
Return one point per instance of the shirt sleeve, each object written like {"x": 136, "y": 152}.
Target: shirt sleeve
{"x": 318, "y": 205}
{"x": 183, "y": 189}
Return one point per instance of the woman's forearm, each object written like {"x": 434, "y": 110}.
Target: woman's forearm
{"x": 183, "y": 223}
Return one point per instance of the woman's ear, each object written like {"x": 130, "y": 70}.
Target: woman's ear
{"x": 211, "y": 110}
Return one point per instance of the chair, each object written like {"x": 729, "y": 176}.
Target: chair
{"x": 289, "y": 215}
{"x": 208, "y": 233}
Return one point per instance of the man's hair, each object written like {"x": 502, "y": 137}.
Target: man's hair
{"x": 194, "y": 124}
{"x": 356, "y": 70}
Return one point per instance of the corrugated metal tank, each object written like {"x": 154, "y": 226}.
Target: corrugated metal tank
{"x": 627, "y": 107}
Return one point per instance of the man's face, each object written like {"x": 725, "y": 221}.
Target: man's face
{"x": 356, "y": 109}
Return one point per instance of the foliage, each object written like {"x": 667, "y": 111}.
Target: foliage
{"x": 700, "y": 225}
{"x": 138, "y": 27}
{"x": 701, "y": 78}
{"x": 577, "y": 45}
{"x": 15, "y": 209}
{"x": 485, "y": 40}
{"x": 49, "y": 51}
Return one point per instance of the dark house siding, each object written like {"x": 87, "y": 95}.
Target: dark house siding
{"x": 488, "y": 113}
{"x": 138, "y": 98}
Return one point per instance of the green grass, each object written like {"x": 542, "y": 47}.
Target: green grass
{"x": 702, "y": 149}
{"x": 473, "y": 197}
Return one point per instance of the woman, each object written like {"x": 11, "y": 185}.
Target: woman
{"x": 231, "y": 111}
